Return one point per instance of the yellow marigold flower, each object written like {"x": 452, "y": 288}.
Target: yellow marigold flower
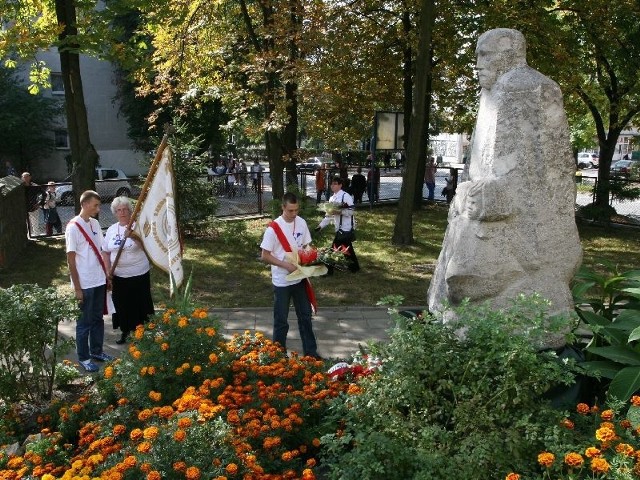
{"x": 605, "y": 434}
{"x": 179, "y": 435}
{"x": 573, "y": 459}
{"x": 164, "y": 347}
{"x": 635, "y": 401}
{"x": 154, "y": 475}
{"x": 512, "y": 476}
{"x": 232, "y": 469}
{"x": 192, "y": 473}
{"x": 108, "y": 372}
{"x": 625, "y": 449}
{"x": 607, "y": 415}
{"x": 592, "y": 452}
{"x": 583, "y": 408}
{"x": 150, "y": 433}
{"x": 546, "y": 459}
{"x": 599, "y": 465}
{"x": 155, "y": 396}
{"x": 196, "y": 369}
{"x": 47, "y": 476}
{"x": 144, "y": 447}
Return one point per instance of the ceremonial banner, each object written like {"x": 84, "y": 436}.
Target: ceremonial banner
{"x": 157, "y": 224}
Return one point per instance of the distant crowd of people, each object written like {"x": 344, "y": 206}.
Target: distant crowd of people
{"x": 233, "y": 174}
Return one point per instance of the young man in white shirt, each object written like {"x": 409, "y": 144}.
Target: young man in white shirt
{"x": 296, "y": 233}
{"x": 343, "y": 222}
{"x": 89, "y": 280}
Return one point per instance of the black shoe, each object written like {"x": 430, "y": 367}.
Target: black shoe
{"x": 122, "y": 339}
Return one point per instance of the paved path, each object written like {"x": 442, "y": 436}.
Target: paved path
{"x": 338, "y": 330}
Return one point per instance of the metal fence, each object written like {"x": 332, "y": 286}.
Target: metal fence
{"x": 244, "y": 197}
{"x": 587, "y": 185}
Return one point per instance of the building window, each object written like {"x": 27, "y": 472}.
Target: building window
{"x": 62, "y": 140}
{"x": 57, "y": 85}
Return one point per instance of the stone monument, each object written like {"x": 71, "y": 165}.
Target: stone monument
{"x": 512, "y": 223}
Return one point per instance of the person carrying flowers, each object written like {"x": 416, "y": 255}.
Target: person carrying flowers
{"x": 339, "y": 211}
{"x": 282, "y": 240}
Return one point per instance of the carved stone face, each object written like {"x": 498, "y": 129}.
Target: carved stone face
{"x": 498, "y": 51}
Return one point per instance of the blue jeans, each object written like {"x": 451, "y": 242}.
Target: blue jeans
{"x": 431, "y": 186}
{"x": 90, "y": 325}
{"x": 282, "y": 298}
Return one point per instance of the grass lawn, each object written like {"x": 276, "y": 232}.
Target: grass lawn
{"x": 227, "y": 271}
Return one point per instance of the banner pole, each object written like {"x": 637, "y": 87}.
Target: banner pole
{"x": 142, "y": 197}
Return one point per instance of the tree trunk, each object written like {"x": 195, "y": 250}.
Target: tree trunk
{"x": 83, "y": 155}
{"x": 417, "y": 145}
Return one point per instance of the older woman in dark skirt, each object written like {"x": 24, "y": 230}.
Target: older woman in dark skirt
{"x": 131, "y": 280}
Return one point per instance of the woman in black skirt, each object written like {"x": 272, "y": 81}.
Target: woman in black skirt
{"x": 131, "y": 280}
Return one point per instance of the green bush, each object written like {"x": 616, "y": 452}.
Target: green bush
{"x": 451, "y": 406}
{"x": 29, "y": 317}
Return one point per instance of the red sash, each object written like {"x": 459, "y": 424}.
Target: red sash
{"x": 287, "y": 248}
{"x": 104, "y": 267}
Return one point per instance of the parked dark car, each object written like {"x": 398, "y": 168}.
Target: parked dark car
{"x": 623, "y": 168}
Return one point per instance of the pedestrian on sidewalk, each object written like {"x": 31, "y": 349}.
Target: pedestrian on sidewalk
{"x": 289, "y": 233}
{"x": 84, "y": 242}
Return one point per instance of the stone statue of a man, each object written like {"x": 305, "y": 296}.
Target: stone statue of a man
{"x": 511, "y": 224}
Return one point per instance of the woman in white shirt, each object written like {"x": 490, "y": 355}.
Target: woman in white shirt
{"x": 131, "y": 279}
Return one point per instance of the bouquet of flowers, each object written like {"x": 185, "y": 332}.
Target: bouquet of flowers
{"x": 332, "y": 208}
{"x": 308, "y": 263}
{"x": 337, "y": 257}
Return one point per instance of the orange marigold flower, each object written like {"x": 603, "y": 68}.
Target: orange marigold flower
{"x": 582, "y": 408}
{"x": 546, "y": 459}
{"x": 568, "y": 424}
{"x": 179, "y": 371}
{"x": 608, "y": 425}
{"x": 595, "y": 409}
{"x": 119, "y": 430}
{"x": 625, "y": 449}
{"x": 166, "y": 411}
{"x": 179, "y": 466}
{"x": 164, "y": 347}
{"x": 192, "y": 473}
{"x": 573, "y": 459}
{"x": 144, "y": 415}
{"x": 154, "y": 475}
{"x": 108, "y": 372}
{"x": 311, "y": 462}
{"x": 287, "y": 457}
{"x": 123, "y": 401}
{"x": 605, "y": 434}
{"x": 635, "y": 401}
{"x": 315, "y": 442}
{"x": 196, "y": 369}
{"x": 592, "y": 452}
{"x": 151, "y": 370}
{"x": 143, "y": 371}
{"x": 155, "y": 396}
{"x": 144, "y": 447}
{"x": 625, "y": 423}
{"x": 137, "y": 354}
{"x": 184, "y": 422}
{"x": 232, "y": 469}
{"x": 136, "y": 433}
{"x": 150, "y": 433}
{"x": 599, "y": 465}
{"x": 179, "y": 435}
{"x": 307, "y": 474}
{"x": 607, "y": 415}
{"x": 183, "y": 322}
{"x": 213, "y": 358}
{"x": 145, "y": 467}
{"x": 512, "y": 476}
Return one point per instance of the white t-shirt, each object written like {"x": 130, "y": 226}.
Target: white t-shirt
{"x": 89, "y": 268}
{"x": 298, "y": 235}
{"x": 347, "y": 213}
{"x": 133, "y": 261}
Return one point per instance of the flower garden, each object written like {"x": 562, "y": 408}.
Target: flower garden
{"x": 184, "y": 403}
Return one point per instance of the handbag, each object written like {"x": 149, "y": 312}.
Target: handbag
{"x": 342, "y": 237}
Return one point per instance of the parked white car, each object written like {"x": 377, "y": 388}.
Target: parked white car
{"x": 587, "y": 160}
{"x": 110, "y": 183}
